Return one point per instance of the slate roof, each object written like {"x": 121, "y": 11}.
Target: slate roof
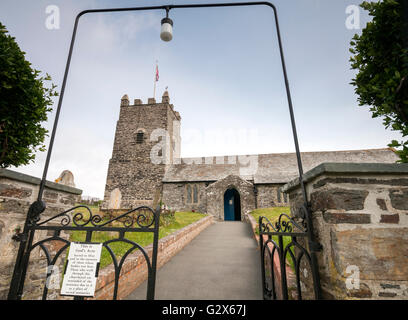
{"x": 272, "y": 168}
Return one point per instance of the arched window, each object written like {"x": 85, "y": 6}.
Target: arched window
{"x": 192, "y": 194}
{"x": 188, "y": 195}
{"x": 195, "y": 194}
{"x": 279, "y": 195}
{"x": 285, "y": 197}
{"x": 139, "y": 137}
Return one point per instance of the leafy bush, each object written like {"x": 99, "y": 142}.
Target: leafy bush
{"x": 24, "y": 103}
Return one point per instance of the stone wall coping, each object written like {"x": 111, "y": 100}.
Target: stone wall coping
{"x": 348, "y": 168}
{"x": 14, "y": 175}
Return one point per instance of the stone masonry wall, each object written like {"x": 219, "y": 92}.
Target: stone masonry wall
{"x": 17, "y": 192}
{"x": 360, "y": 217}
{"x": 175, "y": 197}
{"x": 267, "y": 196}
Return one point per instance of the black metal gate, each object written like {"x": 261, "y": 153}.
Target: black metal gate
{"x": 141, "y": 219}
{"x": 284, "y": 278}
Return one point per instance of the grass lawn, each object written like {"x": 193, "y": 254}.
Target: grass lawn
{"x": 182, "y": 219}
{"x": 271, "y": 213}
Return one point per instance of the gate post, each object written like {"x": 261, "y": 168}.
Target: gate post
{"x": 25, "y": 238}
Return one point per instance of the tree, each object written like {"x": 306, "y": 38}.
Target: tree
{"x": 380, "y": 54}
{"x": 25, "y": 101}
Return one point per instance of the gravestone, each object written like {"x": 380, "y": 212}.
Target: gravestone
{"x": 115, "y": 199}
{"x": 67, "y": 178}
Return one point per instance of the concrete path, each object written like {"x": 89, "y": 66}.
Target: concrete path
{"x": 221, "y": 263}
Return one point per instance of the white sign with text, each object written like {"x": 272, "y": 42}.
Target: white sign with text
{"x": 81, "y": 272}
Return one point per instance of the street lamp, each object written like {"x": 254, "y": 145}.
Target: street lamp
{"x": 166, "y": 33}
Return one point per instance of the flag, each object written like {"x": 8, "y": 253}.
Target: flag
{"x": 157, "y": 73}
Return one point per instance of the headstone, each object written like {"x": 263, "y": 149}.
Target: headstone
{"x": 67, "y": 178}
{"x": 115, "y": 199}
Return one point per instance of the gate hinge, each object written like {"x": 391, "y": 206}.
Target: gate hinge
{"x": 19, "y": 237}
{"x": 36, "y": 208}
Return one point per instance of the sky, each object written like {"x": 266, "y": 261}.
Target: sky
{"x": 222, "y": 70}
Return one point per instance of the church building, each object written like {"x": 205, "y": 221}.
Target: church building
{"x": 146, "y": 168}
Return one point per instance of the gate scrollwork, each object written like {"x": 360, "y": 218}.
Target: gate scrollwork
{"x": 140, "y": 219}
{"x": 285, "y": 252}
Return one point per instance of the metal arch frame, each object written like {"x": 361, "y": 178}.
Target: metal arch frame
{"x": 39, "y": 206}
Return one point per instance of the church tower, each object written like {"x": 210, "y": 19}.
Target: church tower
{"x": 147, "y": 141}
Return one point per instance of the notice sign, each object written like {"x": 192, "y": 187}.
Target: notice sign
{"x": 81, "y": 270}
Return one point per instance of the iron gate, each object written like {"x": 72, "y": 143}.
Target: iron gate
{"x": 284, "y": 278}
{"x": 141, "y": 219}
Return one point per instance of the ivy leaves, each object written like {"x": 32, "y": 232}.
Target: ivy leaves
{"x": 381, "y": 57}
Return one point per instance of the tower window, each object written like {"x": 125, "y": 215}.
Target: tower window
{"x": 139, "y": 137}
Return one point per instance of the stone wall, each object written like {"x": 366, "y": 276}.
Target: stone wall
{"x": 134, "y": 270}
{"x": 360, "y": 217}
{"x": 215, "y": 196}
{"x": 267, "y": 196}
{"x": 175, "y": 196}
{"x": 17, "y": 192}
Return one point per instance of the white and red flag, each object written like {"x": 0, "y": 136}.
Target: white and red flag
{"x": 156, "y": 78}
{"x": 157, "y": 72}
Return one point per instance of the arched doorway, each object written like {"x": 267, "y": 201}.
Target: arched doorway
{"x": 232, "y": 205}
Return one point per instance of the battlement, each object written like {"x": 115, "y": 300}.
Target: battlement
{"x": 125, "y": 102}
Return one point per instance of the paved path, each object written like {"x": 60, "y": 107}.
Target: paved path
{"x": 221, "y": 263}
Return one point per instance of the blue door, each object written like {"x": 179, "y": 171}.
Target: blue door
{"x": 231, "y": 205}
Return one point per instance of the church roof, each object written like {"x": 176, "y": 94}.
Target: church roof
{"x": 272, "y": 168}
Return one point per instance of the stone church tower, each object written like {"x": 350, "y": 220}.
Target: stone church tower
{"x": 147, "y": 141}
